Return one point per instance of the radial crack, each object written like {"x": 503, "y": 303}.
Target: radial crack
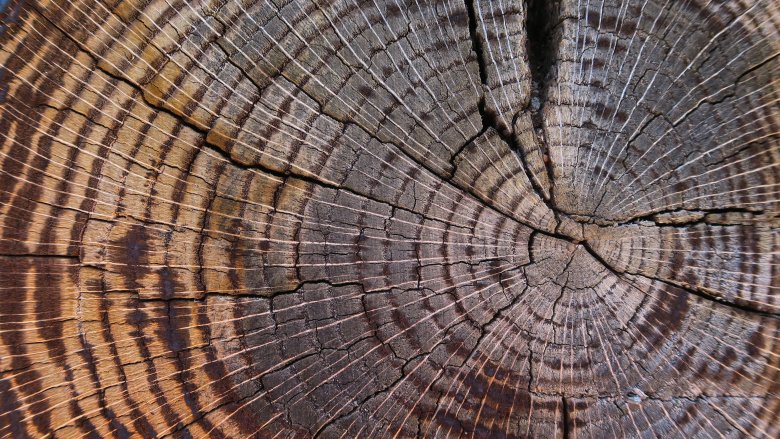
{"x": 542, "y": 49}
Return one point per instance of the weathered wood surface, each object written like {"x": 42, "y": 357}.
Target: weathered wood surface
{"x": 252, "y": 218}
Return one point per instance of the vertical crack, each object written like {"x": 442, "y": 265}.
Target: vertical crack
{"x": 541, "y": 18}
{"x": 566, "y": 419}
{"x": 476, "y": 44}
{"x": 542, "y": 48}
{"x": 489, "y": 117}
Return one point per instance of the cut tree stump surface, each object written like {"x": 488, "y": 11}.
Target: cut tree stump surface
{"x": 252, "y": 218}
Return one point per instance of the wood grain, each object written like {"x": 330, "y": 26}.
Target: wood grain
{"x": 246, "y": 218}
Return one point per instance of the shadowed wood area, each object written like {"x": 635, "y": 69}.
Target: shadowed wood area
{"x": 390, "y": 218}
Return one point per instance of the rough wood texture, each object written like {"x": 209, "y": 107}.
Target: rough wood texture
{"x": 252, "y": 218}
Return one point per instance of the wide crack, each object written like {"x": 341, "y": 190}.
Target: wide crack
{"x": 541, "y": 17}
{"x": 542, "y": 49}
{"x": 540, "y": 66}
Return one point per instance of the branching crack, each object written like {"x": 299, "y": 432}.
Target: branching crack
{"x": 490, "y": 118}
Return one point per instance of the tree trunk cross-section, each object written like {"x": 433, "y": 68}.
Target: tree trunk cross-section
{"x": 390, "y": 218}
